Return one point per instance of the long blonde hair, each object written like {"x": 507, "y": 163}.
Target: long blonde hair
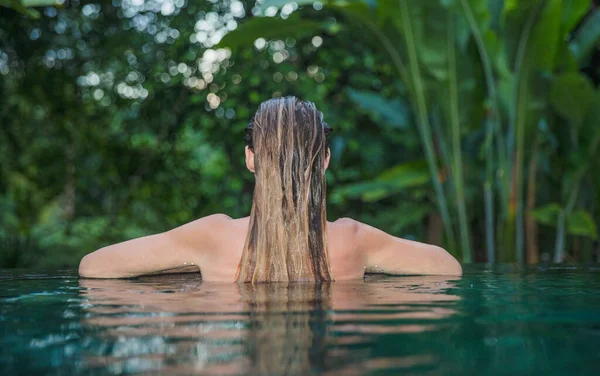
{"x": 287, "y": 235}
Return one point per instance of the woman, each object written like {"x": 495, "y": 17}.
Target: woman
{"x": 287, "y": 236}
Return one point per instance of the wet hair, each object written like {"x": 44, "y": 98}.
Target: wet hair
{"x": 287, "y": 234}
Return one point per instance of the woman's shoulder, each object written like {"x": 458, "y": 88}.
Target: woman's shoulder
{"x": 203, "y": 230}
{"x": 346, "y": 256}
{"x": 225, "y": 227}
{"x": 209, "y": 221}
{"x": 348, "y": 224}
{"x": 346, "y": 227}
{"x": 344, "y": 230}
{"x": 220, "y": 218}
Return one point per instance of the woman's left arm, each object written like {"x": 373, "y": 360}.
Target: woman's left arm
{"x": 171, "y": 251}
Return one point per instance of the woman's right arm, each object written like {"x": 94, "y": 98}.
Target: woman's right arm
{"x": 172, "y": 251}
{"x": 393, "y": 255}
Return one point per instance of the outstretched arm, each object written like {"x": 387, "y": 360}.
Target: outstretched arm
{"x": 171, "y": 251}
{"x": 389, "y": 254}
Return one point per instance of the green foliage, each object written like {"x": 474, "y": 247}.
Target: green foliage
{"x": 19, "y": 251}
{"x": 547, "y": 214}
{"x": 390, "y": 182}
{"x": 572, "y": 95}
{"x": 518, "y": 52}
{"x": 392, "y": 112}
{"x": 586, "y": 39}
{"x": 279, "y": 3}
{"x": 90, "y": 159}
{"x": 271, "y": 28}
{"x": 119, "y": 121}
{"x": 579, "y": 222}
{"x": 24, "y": 6}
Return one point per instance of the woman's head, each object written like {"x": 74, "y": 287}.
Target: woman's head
{"x": 287, "y": 151}
{"x": 305, "y": 119}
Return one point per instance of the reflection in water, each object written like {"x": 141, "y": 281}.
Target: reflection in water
{"x": 494, "y": 322}
{"x": 179, "y": 324}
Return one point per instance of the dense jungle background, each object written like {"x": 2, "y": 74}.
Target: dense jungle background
{"x": 472, "y": 124}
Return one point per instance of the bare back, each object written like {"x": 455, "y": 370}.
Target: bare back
{"x": 346, "y": 262}
{"x": 214, "y": 244}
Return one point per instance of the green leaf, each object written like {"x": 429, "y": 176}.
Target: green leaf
{"x": 510, "y": 5}
{"x": 280, "y": 3}
{"x": 409, "y": 174}
{"x": 565, "y": 61}
{"x": 41, "y": 3}
{"x": 270, "y": 28}
{"x": 393, "y": 112}
{"x": 411, "y": 214}
{"x": 17, "y": 6}
{"x": 572, "y": 95}
{"x": 581, "y": 223}
{"x": 532, "y": 33}
{"x": 388, "y": 183}
{"x": 547, "y": 214}
{"x": 546, "y": 36}
{"x": 573, "y": 12}
{"x": 397, "y": 217}
{"x": 586, "y": 38}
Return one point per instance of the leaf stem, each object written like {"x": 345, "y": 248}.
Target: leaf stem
{"x": 456, "y": 144}
{"x": 423, "y": 122}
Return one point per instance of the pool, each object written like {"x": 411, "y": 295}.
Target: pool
{"x": 501, "y": 321}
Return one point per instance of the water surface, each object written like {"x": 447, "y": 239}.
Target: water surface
{"x": 504, "y": 321}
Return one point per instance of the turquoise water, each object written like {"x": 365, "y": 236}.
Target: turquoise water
{"x": 544, "y": 320}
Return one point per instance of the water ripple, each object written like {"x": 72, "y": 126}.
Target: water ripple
{"x": 491, "y": 321}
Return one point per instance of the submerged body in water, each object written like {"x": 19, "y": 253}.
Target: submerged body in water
{"x": 502, "y": 321}
{"x": 287, "y": 236}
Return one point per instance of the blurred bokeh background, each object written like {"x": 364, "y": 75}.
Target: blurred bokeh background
{"x": 472, "y": 124}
